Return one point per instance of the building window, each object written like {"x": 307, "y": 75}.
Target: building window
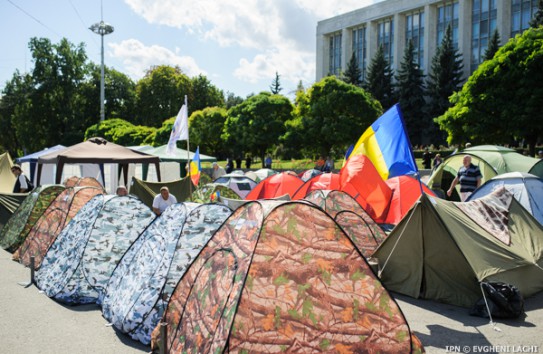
{"x": 522, "y": 12}
{"x": 447, "y": 14}
{"x": 385, "y": 38}
{"x": 414, "y": 31}
{"x": 360, "y": 49}
{"x": 335, "y": 55}
{"x": 483, "y": 24}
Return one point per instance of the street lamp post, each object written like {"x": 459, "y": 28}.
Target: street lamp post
{"x": 102, "y": 29}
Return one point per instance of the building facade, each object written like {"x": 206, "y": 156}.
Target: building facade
{"x": 392, "y": 23}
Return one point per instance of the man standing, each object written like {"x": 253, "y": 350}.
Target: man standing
{"x": 469, "y": 177}
{"x": 22, "y": 184}
{"x": 163, "y": 200}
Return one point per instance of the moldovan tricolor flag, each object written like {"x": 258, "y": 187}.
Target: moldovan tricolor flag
{"x": 195, "y": 167}
{"x": 387, "y": 145}
{"x": 180, "y": 130}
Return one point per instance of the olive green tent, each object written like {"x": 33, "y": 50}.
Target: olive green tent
{"x": 146, "y": 191}
{"x": 492, "y": 160}
{"x": 441, "y": 250}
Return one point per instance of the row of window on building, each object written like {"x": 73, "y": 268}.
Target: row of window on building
{"x": 484, "y": 19}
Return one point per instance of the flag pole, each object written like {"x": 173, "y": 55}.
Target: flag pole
{"x": 187, "y": 166}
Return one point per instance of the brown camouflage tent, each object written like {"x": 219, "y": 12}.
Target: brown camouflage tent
{"x": 50, "y": 224}
{"x": 359, "y": 226}
{"x": 283, "y": 277}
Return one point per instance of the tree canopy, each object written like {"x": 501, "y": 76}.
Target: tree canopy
{"x": 503, "y": 99}
{"x": 379, "y": 79}
{"x": 335, "y": 114}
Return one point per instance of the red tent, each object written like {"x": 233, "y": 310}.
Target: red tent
{"x": 406, "y": 190}
{"x": 324, "y": 181}
{"x": 360, "y": 176}
{"x": 275, "y": 186}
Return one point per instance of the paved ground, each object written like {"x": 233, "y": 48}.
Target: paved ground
{"x": 32, "y": 323}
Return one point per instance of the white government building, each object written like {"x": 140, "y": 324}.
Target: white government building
{"x": 391, "y": 23}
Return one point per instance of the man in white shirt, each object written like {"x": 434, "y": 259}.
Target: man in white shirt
{"x": 218, "y": 171}
{"x": 163, "y": 200}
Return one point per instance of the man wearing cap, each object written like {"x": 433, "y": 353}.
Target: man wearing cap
{"x": 163, "y": 200}
{"x": 21, "y": 182}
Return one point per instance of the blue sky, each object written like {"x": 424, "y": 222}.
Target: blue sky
{"x": 237, "y": 44}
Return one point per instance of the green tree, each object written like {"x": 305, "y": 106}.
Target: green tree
{"x": 160, "y": 95}
{"x": 232, "y": 100}
{"x": 120, "y": 93}
{"x": 203, "y": 94}
{"x": 120, "y": 132}
{"x": 255, "y": 125}
{"x": 335, "y": 114}
{"x": 503, "y": 98}
{"x": 206, "y": 127}
{"x": 15, "y": 99}
{"x": 537, "y": 20}
{"x": 275, "y": 87}
{"x": 410, "y": 83}
{"x": 493, "y": 45}
{"x": 51, "y": 113}
{"x": 445, "y": 78}
{"x": 379, "y": 79}
{"x": 353, "y": 74}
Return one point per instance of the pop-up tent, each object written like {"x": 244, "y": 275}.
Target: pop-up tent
{"x": 275, "y": 186}
{"x": 79, "y": 264}
{"x": 141, "y": 285}
{"x": 96, "y": 151}
{"x": 240, "y": 184}
{"x": 527, "y": 189}
{"x": 441, "y": 250}
{"x": 357, "y": 224}
{"x": 492, "y": 160}
{"x": 282, "y": 277}
{"x": 57, "y": 215}
{"x": 23, "y": 219}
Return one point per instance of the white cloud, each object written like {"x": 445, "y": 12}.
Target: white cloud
{"x": 139, "y": 58}
{"x": 281, "y": 31}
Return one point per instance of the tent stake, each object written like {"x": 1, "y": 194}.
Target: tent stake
{"x": 163, "y": 337}
{"x": 32, "y": 279}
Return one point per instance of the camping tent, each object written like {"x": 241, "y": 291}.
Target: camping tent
{"x": 23, "y": 219}
{"x": 527, "y": 189}
{"x": 146, "y": 191}
{"x": 307, "y": 175}
{"x": 406, "y": 190}
{"x": 357, "y": 224}
{"x": 242, "y": 185}
{"x": 140, "y": 286}
{"x": 79, "y": 264}
{"x": 442, "y": 249}
{"x": 282, "y": 277}
{"x": 372, "y": 192}
{"x": 492, "y": 160}
{"x": 32, "y": 160}
{"x": 275, "y": 186}
{"x": 7, "y": 179}
{"x": 260, "y": 174}
{"x": 59, "y": 213}
{"x": 96, "y": 151}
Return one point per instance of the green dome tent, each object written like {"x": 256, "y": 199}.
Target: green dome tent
{"x": 492, "y": 161}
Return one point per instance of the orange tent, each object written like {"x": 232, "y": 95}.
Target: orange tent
{"x": 406, "y": 190}
{"x": 360, "y": 176}
{"x": 276, "y": 186}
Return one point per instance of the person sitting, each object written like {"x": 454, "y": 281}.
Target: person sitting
{"x": 437, "y": 161}
{"x": 163, "y": 200}
{"x": 122, "y": 191}
{"x": 218, "y": 171}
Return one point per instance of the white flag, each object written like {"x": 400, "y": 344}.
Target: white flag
{"x": 180, "y": 130}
